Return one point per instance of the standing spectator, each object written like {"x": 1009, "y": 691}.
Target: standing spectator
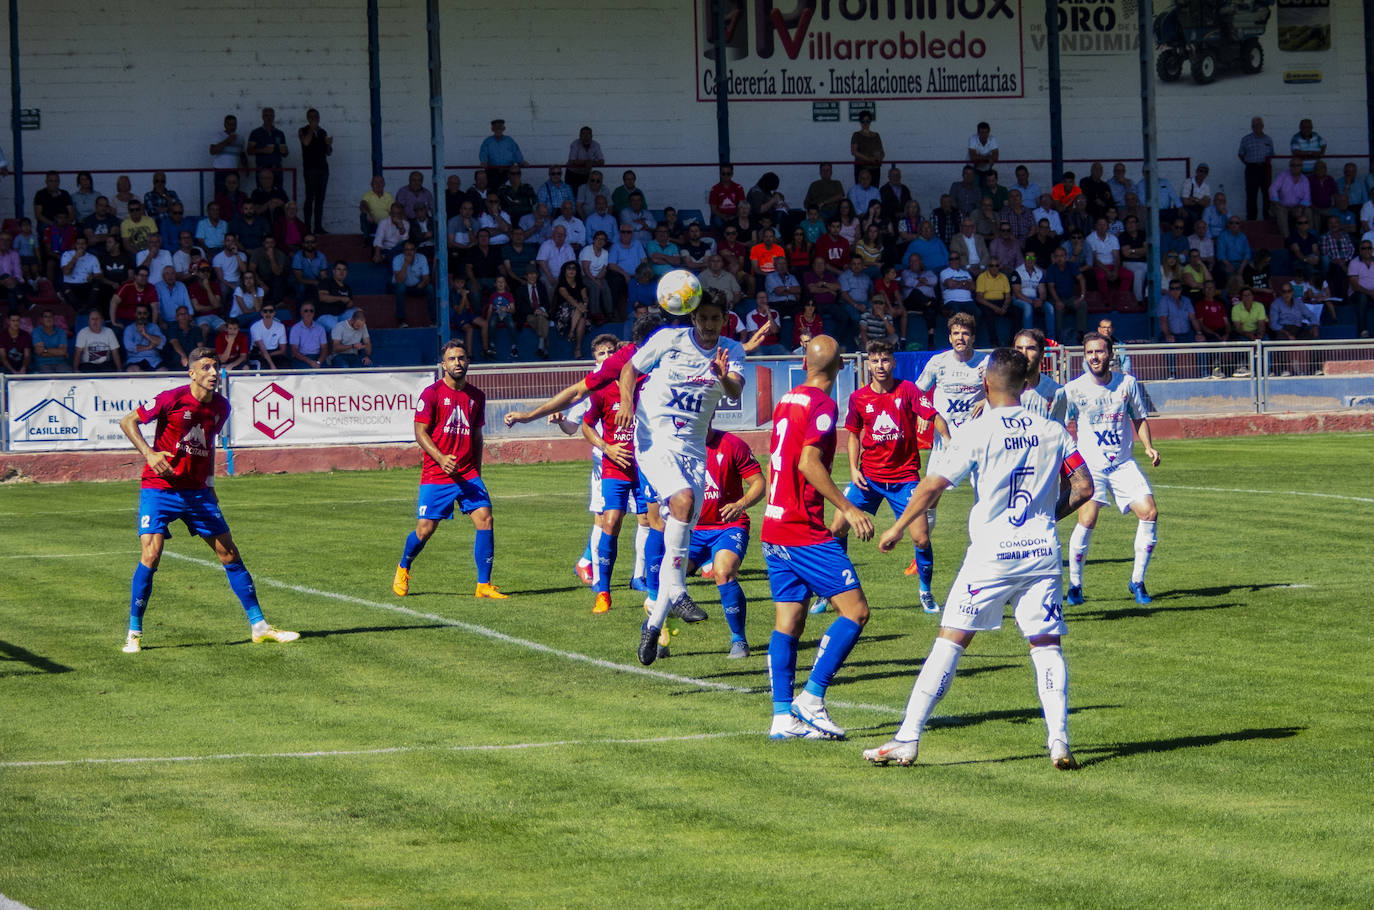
{"x": 374, "y": 208}
{"x": 724, "y": 198}
{"x": 824, "y": 193}
{"x": 1255, "y": 152}
{"x": 498, "y": 153}
{"x": 584, "y": 154}
{"x": 51, "y": 353}
{"x": 982, "y": 151}
{"x": 414, "y": 194}
{"x": 1307, "y": 145}
{"x": 410, "y": 278}
{"x": 316, "y": 147}
{"x": 158, "y": 201}
{"x": 143, "y": 341}
{"x": 268, "y": 336}
{"x": 267, "y": 143}
{"x": 97, "y": 347}
{"x": 17, "y": 347}
{"x": 351, "y": 344}
{"x": 1290, "y": 194}
{"x": 867, "y": 148}
{"x": 226, "y": 152}
{"x": 309, "y": 341}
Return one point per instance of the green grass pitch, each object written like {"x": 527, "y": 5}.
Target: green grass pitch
{"x": 456, "y": 752}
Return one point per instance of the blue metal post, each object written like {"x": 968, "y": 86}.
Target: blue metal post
{"x": 16, "y": 128}
{"x": 374, "y": 83}
{"x": 722, "y": 95}
{"x": 1150, "y": 136}
{"x": 436, "y": 141}
{"x": 1056, "y": 100}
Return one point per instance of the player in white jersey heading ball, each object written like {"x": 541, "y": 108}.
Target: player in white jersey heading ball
{"x": 1111, "y": 411}
{"x": 1017, "y": 459}
{"x": 690, "y": 369}
{"x": 1043, "y": 395}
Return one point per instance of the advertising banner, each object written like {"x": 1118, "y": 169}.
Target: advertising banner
{"x": 325, "y": 408}
{"x": 812, "y": 50}
{"x": 77, "y": 412}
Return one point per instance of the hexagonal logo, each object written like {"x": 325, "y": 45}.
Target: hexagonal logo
{"x": 274, "y": 411}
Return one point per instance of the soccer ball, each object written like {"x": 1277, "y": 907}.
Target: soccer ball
{"x": 679, "y": 292}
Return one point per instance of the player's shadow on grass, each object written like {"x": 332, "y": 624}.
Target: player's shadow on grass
{"x": 1140, "y": 611}
{"x": 1099, "y": 754}
{"x": 36, "y": 663}
{"x": 309, "y": 633}
{"x": 1221, "y": 590}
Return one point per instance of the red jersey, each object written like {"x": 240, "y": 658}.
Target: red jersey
{"x": 886, "y": 424}
{"x": 834, "y": 250}
{"x": 609, "y": 371}
{"x": 925, "y": 427}
{"x": 130, "y": 297}
{"x": 1211, "y": 312}
{"x": 795, "y": 515}
{"x": 602, "y": 407}
{"x": 726, "y": 197}
{"x": 454, "y": 418}
{"x": 186, "y": 427}
{"x": 729, "y": 463}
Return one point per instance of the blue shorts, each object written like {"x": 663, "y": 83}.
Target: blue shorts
{"x": 617, "y": 494}
{"x": 896, "y": 494}
{"x": 794, "y": 573}
{"x": 646, "y": 489}
{"x": 707, "y": 543}
{"x": 198, "y": 509}
{"x": 437, "y": 499}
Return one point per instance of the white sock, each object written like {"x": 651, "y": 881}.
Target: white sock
{"x": 672, "y": 577}
{"x": 1052, "y": 684}
{"x": 1078, "y": 553}
{"x": 930, "y": 519}
{"x": 641, "y": 535}
{"x": 595, "y": 542}
{"x": 934, "y": 680}
{"x": 1145, "y": 538}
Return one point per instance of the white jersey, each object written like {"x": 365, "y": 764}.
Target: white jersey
{"x": 958, "y": 386}
{"x": 1106, "y": 432}
{"x": 575, "y": 415}
{"x": 1016, "y": 458}
{"x": 678, "y": 400}
{"x": 1046, "y": 399}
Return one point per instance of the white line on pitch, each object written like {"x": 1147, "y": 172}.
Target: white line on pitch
{"x": 387, "y": 750}
{"x": 520, "y": 642}
{"x": 250, "y": 505}
{"x": 1170, "y": 486}
{"x": 63, "y": 556}
{"x": 7, "y": 903}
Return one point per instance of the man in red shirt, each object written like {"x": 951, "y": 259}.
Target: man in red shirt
{"x": 884, "y": 422}
{"x": 833, "y": 248}
{"x": 176, "y": 486}
{"x": 725, "y": 197}
{"x": 448, "y": 429}
{"x": 130, "y": 296}
{"x": 802, "y": 556}
{"x": 720, "y": 537}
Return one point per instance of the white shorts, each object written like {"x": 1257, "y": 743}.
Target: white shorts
{"x": 1126, "y": 482}
{"x": 670, "y": 472}
{"x": 975, "y": 605}
{"x": 596, "y": 503}
{"x": 935, "y": 460}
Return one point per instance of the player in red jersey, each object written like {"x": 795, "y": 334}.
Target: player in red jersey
{"x": 448, "y": 428}
{"x": 802, "y": 556}
{"x": 884, "y": 423}
{"x": 720, "y": 537}
{"x": 620, "y": 488}
{"x": 177, "y": 485}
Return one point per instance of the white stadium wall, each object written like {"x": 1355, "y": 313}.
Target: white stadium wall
{"x": 142, "y": 85}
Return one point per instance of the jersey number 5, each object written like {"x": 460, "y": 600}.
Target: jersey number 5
{"x": 1019, "y": 497}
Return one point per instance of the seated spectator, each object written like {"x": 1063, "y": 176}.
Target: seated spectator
{"x": 80, "y": 271}
{"x": 956, "y": 285}
{"x": 334, "y": 297}
{"x": 626, "y": 255}
{"x": 308, "y": 267}
{"x": 500, "y": 311}
{"x": 273, "y": 269}
{"x": 392, "y": 233}
{"x": 289, "y": 230}
{"x": 572, "y": 225}
{"x": 1198, "y": 240}
{"x": 1177, "y": 317}
{"x": 350, "y": 343}
{"x": 813, "y": 226}
{"x": 100, "y": 223}
{"x": 1133, "y": 249}
{"x": 414, "y": 194}
{"x": 1232, "y": 250}
{"x": 877, "y": 325}
{"x": 1019, "y": 217}
{"x": 1066, "y": 192}
{"x": 269, "y": 200}
{"x": 183, "y": 337}
{"x": 518, "y": 198}
{"x": 870, "y": 251}
{"x": 594, "y": 260}
{"x": 532, "y": 309}
{"x": 1211, "y": 310}
{"x": 716, "y": 277}
{"x": 1290, "y": 195}
{"x": 248, "y": 301}
{"x": 172, "y": 223}
{"x": 824, "y": 195}
{"x": 1065, "y": 289}
{"x": 696, "y": 250}
{"x": 1030, "y": 190}
{"x": 410, "y": 277}
{"x": 1194, "y": 274}
{"x": 230, "y": 199}
{"x": 1305, "y": 248}
{"x": 992, "y": 189}
{"x": 135, "y": 230}
{"x": 1045, "y": 211}
{"x": 143, "y": 341}
{"x": 537, "y": 225}
{"x": 807, "y": 325}
{"x": 52, "y": 199}
{"x": 230, "y": 263}
{"x": 599, "y": 217}
{"x": 921, "y": 293}
{"x": 211, "y": 229}
{"x": 970, "y": 247}
{"x": 187, "y": 256}
{"x": 992, "y": 292}
{"x": 1249, "y": 320}
{"x": 465, "y": 309}
{"x": 782, "y": 288}
{"x": 571, "y": 298}
{"x": 16, "y": 346}
{"x": 1361, "y": 285}
{"x": 83, "y": 199}
{"x": 929, "y": 247}
{"x": 309, "y": 341}
{"x": 763, "y": 254}
{"x": 1322, "y": 188}
{"x": 863, "y": 191}
{"x": 207, "y": 298}
{"x": 1028, "y": 291}
{"x": 848, "y": 219}
{"x": 1006, "y": 248}
{"x": 374, "y": 208}
{"x": 620, "y": 196}
{"x": 130, "y": 296}
{"x": 554, "y": 191}
{"x": 765, "y": 199}
{"x": 586, "y": 195}
{"x": 1216, "y": 215}
{"x": 1290, "y": 320}
{"x": 171, "y": 295}
{"x": 51, "y": 353}
{"x": 231, "y": 346}
{"x": 663, "y": 254}
{"x": 1197, "y": 193}
{"x": 823, "y": 288}
{"x": 97, "y": 347}
{"x": 462, "y": 234}
{"x": 1168, "y": 202}
{"x": 965, "y": 194}
{"x": 832, "y": 247}
{"x": 1110, "y": 276}
{"x": 856, "y": 288}
{"x": 1077, "y": 218}
{"x": 154, "y": 257}
{"x": 269, "y": 339}
{"x": 643, "y": 287}
{"x": 251, "y": 228}
{"x": 763, "y": 323}
{"x": 736, "y": 255}
{"x": 554, "y": 253}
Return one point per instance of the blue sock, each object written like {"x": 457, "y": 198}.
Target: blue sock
{"x": 733, "y": 603}
{"x": 140, "y": 590}
{"x": 242, "y": 584}
{"x": 606, "y": 547}
{"x": 413, "y": 547}
{"x": 782, "y": 670}
{"x": 653, "y": 560}
{"x": 484, "y": 554}
{"x": 836, "y": 644}
{"x": 925, "y": 565}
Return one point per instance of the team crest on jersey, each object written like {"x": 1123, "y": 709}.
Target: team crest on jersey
{"x": 868, "y": 409}
{"x": 680, "y": 423}
{"x": 186, "y": 415}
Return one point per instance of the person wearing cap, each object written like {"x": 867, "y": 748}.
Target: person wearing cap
{"x": 498, "y": 153}
{"x": 867, "y": 148}
{"x": 1197, "y": 195}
